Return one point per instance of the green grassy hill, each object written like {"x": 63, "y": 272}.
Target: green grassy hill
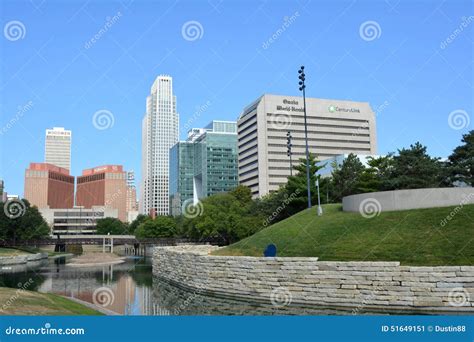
{"x": 413, "y": 237}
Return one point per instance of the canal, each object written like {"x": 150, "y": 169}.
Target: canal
{"x": 130, "y": 289}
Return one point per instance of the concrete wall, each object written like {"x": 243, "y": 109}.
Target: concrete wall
{"x": 408, "y": 199}
{"x": 351, "y": 286}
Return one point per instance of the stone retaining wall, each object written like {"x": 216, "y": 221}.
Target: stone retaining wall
{"x": 354, "y": 286}
{"x": 22, "y": 259}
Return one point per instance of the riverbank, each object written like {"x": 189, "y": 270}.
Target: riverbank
{"x": 95, "y": 259}
{"x": 23, "y": 302}
{"x": 357, "y": 287}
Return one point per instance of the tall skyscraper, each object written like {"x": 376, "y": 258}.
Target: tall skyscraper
{"x": 57, "y": 149}
{"x": 132, "y": 205}
{"x": 203, "y": 165}
{"x": 103, "y": 186}
{"x": 160, "y": 131}
{"x": 49, "y": 186}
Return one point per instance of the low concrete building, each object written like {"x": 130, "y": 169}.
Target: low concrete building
{"x": 78, "y": 220}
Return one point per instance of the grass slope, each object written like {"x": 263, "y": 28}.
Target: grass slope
{"x": 13, "y": 302}
{"x": 413, "y": 237}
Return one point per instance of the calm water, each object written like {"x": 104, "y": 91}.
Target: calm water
{"x": 131, "y": 289}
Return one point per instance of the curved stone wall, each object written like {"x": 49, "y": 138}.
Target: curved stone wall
{"x": 408, "y": 199}
{"x": 306, "y": 282}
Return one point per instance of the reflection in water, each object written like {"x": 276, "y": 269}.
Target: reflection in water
{"x": 130, "y": 289}
{"x": 171, "y": 300}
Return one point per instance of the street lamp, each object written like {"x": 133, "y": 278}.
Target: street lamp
{"x": 288, "y": 152}
{"x": 302, "y": 88}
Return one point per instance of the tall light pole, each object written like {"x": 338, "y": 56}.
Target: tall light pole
{"x": 289, "y": 153}
{"x": 302, "y": 88}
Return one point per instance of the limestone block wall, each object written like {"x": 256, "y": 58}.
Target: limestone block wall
{"x": 353, "y": 286}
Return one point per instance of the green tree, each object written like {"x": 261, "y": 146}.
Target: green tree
{"x": 461, "y": 161}
{"x": 135, "y": 223}
{"x": 296, "y": 188}
{"x": 227, "y": 216}
{"x": 413, "y": 168}
{"x": 346, "y": 177}
{"x": 24, "y": 222}
{"x": 377, "y": 175}
{"x": 159, "y": 227}
{"x": 111, "y": 225}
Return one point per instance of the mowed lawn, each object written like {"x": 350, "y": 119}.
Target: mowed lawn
{"x": 413, "y": 237}
{"x": 6, "y": 252}
{"x": 14, "y": 302}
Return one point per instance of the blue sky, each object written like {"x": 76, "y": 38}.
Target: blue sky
{"x": 408, "y": 71}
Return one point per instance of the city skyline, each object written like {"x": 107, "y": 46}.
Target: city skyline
{"x": 212, "y": 71}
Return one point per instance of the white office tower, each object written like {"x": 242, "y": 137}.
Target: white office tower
{"x": 160, "y": 131}
{"x": 57, "y": 150}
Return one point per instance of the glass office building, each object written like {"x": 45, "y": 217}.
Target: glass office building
{"x": 204, "y": 164}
